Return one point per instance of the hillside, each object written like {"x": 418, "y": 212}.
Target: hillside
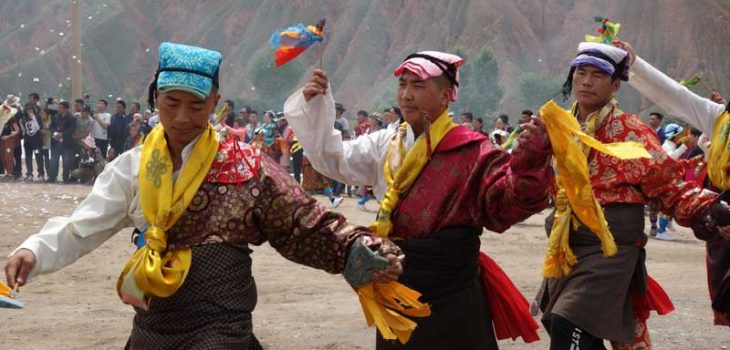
{"x": 367, "y": 39}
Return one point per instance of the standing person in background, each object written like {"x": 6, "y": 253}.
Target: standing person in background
{"x": 478, "y": 126}
{"x": 102, "y": 119}
{"x": 117, "y": 131}
{"x": 63, "y": 145}
{"x": 231, "y": 117}
{"x": 253, "y": 124}
{"x": 655, "y": 122}
{"x": 9, "y": 136}
{"x": 31, "y": 141}
{"x": 285, "y": 141}
{"x": 45, "y": 145}
{"x": 363, "y": 125}
{"x": 394, "y": 118}
{"x": 467, "y": 119}
{"x": 341, "y": 122}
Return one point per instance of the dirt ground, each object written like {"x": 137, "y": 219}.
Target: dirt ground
{"x": 298, "y": 307}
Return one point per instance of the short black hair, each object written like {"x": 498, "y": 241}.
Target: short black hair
{"x": 658, "y": 115}
{"x": 86, "y": 109}
{"x": 480, "y": 120}
{"x": 64, "y": 104}
{"x": 34, "y": 95}
{"x": 696, "y": 132}
{"x": 468, "y": 115}
{"x": 80, "y": 101}
{"x": 121, "y": 102}
{"x": 104, "y": 102}
{"x": 527, "y": 112}
{"x": 230, "y": 103}
{"x": 363, "y": 113}
{"x": 136, "y": 104}
{"x": 504, "y": 118}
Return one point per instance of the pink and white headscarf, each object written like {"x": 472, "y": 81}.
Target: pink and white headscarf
{"x": 431, "y": 64}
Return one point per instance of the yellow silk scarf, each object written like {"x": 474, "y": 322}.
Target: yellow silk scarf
{"x": 157, "y": 271}
{"x": 575, "y": 202}
{"x": 511, "y": 139}
{"x": 384, "y": 304}
{"x": 718, "y": 160}
{"x": 402, "y": 169}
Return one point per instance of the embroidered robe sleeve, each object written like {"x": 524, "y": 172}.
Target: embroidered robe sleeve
{"x": 661, "y": 177}
{"x": 104, "y": 212}
{"x": 673, "y": 97}
{"x": 512, "y": 187}
{"x": 358, "y": 161}
{"x": 300, "y": 228}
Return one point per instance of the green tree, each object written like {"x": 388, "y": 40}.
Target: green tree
{"x": 537, "y": 88}
{"x": 272, "y": 85}
{"x": 479, "y": 88}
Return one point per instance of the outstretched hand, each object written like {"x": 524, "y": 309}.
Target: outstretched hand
{"x": 317, "y": 85}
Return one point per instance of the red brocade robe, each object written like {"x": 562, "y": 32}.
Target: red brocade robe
{"x": 470, "y": 182}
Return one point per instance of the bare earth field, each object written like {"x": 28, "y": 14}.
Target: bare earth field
{"x": 298, "y": 307}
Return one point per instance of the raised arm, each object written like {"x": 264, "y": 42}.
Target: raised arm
{"x": 63, "y": 240}
{"x": 670, "y": 95}
{"x": 311, "y": 114}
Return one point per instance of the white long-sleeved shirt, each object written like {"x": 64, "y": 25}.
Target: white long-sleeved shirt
{"x": 673, "y": 97}
{"x": 358, "y": 161}
{"x": 112, "y": 205}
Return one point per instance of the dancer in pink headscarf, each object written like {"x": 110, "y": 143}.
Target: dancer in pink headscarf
{"x": 447, "y": 183}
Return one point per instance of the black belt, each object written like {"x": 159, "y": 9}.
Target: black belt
{"x": 441, "y": 263}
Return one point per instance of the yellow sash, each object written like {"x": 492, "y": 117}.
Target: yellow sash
{"x": 575, "y": 202}
{"x": 718, "y": 160}
{"x": 157, "y": 271}
{"x": 402, "y": 169}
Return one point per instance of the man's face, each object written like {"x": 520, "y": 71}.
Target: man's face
{"x": 476, "y": 125}
{"x": 525, "y": 118}
{"x": 62, "y": 109}
{"x": 119, "y": 108}
{"x": 654, "y": 121}
{"x": 361, "y": 118}
{"x": 464, "y": 119}
{"x": 84, "y": 114}
{"x": 77, "y": 107}
{"x": 416, "y": 96}
{"x": 253, "y": 118}
{"x": 184, "y": 115}
{"x": 592, "y": 87}
{"x": 134, "y": 109}
{"x": 100, "y": 107}
{"x": 338, "y": 113}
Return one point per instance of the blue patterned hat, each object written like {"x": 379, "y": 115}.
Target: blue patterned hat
{"x": 187, "y": 68}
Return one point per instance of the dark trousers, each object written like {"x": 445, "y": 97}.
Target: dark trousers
{"x": 297, "y": 158}
{"x": 44, "y": 166}
{"x": 55, "y": 158}
{"x": 18, "y": 155}
{"x": 31, "y": 151}
{"x": 564, "y": 335}
{"x": 68, "y": 153}
{"x": 102, "y": 145}
{"x": 337, "y": 187}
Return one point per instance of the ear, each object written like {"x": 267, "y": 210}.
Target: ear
{"x": 615, "y": 86}
{"x": 446, "y": 96}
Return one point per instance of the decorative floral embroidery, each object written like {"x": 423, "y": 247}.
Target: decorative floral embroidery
{"x": 156, "y": 167}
